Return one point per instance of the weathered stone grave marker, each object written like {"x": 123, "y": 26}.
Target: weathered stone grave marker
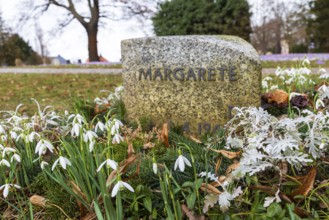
{"x": 193, "y": 81}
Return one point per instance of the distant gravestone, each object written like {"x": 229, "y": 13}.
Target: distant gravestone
{"x": 193, "y": 81}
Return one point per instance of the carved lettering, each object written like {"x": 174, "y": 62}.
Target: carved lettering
{"x": 146, "y": 75}
{"x": 181, "y": 74}
{"x": 157, "y": 74}
{"x": 190, "y": 74}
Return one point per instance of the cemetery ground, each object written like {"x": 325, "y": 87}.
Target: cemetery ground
{"x": 265, "y": 164}
{"x": 58, "y": 90}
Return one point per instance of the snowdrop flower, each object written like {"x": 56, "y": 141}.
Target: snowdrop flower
{"x": 117, "y": 138}
{"x": 6, "y": 188}
{"x": 323, "y": 92}
{"x": 16, "y": 157}
{"x": 109, "y": 163}
{"x": 62, "y": 161}
{"x": 100, "y": 126}
{"x": 120, "y": 185}
{"x": 13, "y": 135}
{"x": 7, "y": 150}
{"x": 274, "y": 87}
{"x": 89, "y": 136}
{"x": 4, "y": 162}
{"x": 321, "y": 145}
{"x": 181, "y": 161}
{"x": 306, "y": 62}
{"x": 154, "y": 166}
{"x": 319, "y": 103}
{"x": 76, "y": 118}
{"x": 43, "y": 164}
{"x": 33, "y": 135}
{"x": 42, "y": 147}
{"x": 75, "y": 131}
{"x": 270, "y": 200}
{"x": 116, "y": 124}
{"x": 2, "y": 129}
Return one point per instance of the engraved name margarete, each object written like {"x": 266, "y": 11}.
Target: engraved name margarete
{"x": 189, "y": 74}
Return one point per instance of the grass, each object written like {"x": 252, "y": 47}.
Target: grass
{"x": 57, "y": 90}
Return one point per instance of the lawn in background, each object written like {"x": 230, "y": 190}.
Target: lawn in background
{"x": 57, "y": 90}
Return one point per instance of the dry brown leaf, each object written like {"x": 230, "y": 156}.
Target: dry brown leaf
{"x": 195, "y": 139}
{"x": 148, "y": 145}
{"x": 219, "y": 162}
{"x": 210, "y": 188}
{"x": 131, "y": 149}
{"x": 89, "y": 216}
{"x": 279, "y": 97}
{"x": 38, "y": 200}
{"x": 164, "y": 134}
{"x": 228, "y": 154}
{"x": 189, "y": 213}
{"x": 232, "y": 167}
{"x": 307, "y": 185}
{"x": 78, "y": 191}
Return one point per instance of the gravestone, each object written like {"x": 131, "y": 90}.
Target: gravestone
{"x": 193, "y": 81}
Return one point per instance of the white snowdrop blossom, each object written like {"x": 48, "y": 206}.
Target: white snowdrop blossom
{"x": 6, "y": 187}
{"x": 100, "y": 126}
{"x": 15, "y": 157}
{"x": 225, "y": 198}
{"x": 323, "y": 92}
{"x": 33, "y": 135}
{"x": 109, "y": 164}
{"x": 7, "y": 150}
{"x": 154, "y": 165}
{"x": 89, "y": 136}
{"x": 117, "y": 138}
{"x": 306, "y": 61}
{"x": 4, "y": 162}
{"x": 63, "y": 161}
{"x": 181, "y": 161}
{"x": 319, "y": 103}
{"x": 75, "y": 131}
{"x": 120, "y": 185}
{"x": 43, "y": 146}
{"x": 43, "y": 164}
{"x": 115, "y": 126}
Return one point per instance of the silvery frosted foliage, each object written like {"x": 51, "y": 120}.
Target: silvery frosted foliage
{"x": 265, "y": 140}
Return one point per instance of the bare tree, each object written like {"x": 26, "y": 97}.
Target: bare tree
{"x": 40, "y": 40}
{"x": 90, "y": 14}
{"x": 277, "y": 20}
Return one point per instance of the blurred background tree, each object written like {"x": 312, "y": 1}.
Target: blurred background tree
{"x": 90, "y": 14}
{"x": 318, "y": 28}
{"x": 181, "y": 17}
{"x": 13, "y": 47}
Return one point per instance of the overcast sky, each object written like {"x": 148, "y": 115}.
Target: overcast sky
{"x": 72, "y": 43}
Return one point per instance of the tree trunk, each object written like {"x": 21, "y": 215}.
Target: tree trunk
{"x": 92, "y": 44}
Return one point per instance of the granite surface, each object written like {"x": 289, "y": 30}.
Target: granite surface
{"x": 192, "y": 81}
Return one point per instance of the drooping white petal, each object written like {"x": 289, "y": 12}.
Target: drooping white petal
{"x": 113, "y": 164}
{"x": 100, "y": 166}
{"x": 54, "y": 165}
{"x": 181, "y": 163}
{"x": 128, "y": 186}
{"x": 155, "y": 168}
{"x": 186, "y": 161}
{"x": 6, "y": 190}
{"x": 116, "y": 189}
